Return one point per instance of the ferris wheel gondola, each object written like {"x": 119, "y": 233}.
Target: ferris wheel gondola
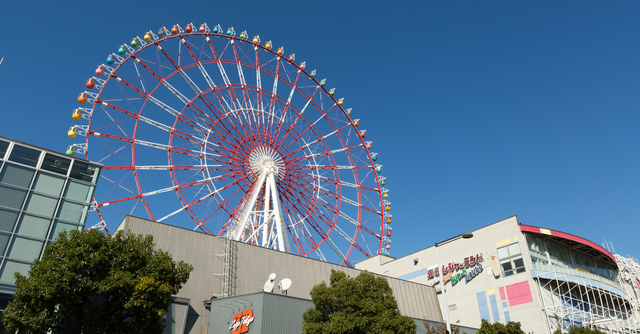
{"x": 253, "y": 145}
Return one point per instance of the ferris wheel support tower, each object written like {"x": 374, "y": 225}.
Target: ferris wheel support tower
{"x": 265, "y": 227}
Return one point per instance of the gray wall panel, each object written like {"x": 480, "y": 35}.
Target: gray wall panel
{"x": 253, "y": 266}
{"x": 275, "y": 322}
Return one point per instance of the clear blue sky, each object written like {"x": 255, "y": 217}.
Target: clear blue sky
{"x": 478, "y": 110}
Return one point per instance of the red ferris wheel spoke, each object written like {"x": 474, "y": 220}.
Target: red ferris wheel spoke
{"x": 243, "y": 82}
{"x": 339, "y": 196}
{"x": 166, "y": 167}
{"x": 274, "y": 94}
{"x": 234, "y": 213}
{"x": 200, "y": 222}
{"x": 148, "y": 144}
{"x": 312, "y": 142}
{"x": 219, "y": 126}
{"x": 229, "y": 87}
{"x": 227, "y": 83}
{"x": 228, "y": 134}
{"x": 306, "y": 233}
{"x": 288, "y": 104}
{"x": 322, "y": 154}
{"x": 117, "y": 184}
{"x": 329, "y": 167}
{"x": 308, "y": 199}
{"x": 300, "y": 113}
{"x": 325, "y": 179}
{"x": 211, "y": 194}
{"x": 327, "y": 239}
{"x": 298, "y": 206}
{"x": 352, "y": 241}
{"x": 224, "y": 118}
{"x": 156, "y": 124}
{"x": 259, "y": 92}
{"x": 159, "y": 191}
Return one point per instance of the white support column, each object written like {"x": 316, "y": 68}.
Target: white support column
{"x": 248, "y": 207}
{"x": 283, "y": 240}
{"x": 267, "y": 222}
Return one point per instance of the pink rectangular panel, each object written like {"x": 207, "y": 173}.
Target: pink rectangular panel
{"x": 519, "y": 293}
{"x": 502, "y": 297}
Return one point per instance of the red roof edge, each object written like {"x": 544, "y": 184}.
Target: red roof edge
{"x": 534, "y": 229}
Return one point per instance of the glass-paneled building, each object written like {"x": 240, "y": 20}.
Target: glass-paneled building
{"x": 41, "y": 194}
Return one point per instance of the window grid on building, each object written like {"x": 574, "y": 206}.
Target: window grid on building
{"x": 41, "y": 195}
{"x": 511, "y": 261}
{"x": 550, "y": 255}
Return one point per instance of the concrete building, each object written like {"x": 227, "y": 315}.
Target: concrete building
{"x": 234, "y": 272}
{"x": 41, "y": 194}
{"x": 545, "y": 279}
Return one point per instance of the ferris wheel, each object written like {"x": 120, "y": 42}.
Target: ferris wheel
{"x": 204, "y": 125}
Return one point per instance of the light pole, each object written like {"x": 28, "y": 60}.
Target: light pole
{"x": 465, "y": 235}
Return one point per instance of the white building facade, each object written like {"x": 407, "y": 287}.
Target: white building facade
{"x": 508, "y": 271}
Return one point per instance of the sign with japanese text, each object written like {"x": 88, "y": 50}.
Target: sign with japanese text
{"x": 451, "y": 267}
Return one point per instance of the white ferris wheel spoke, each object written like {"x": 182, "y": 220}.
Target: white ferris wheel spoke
{"x": 190, "y": 82}
{"x": 260, "y": 104}
{"x": 117, "y": 123}
{"x": 117, "y": 184}
{"x": 213, "y": 122}
{"x": 293, "y": 90}
{"x": 206, "y": 76}
{"x": 274, "y": 93}
{"x": 114, "y": 152}
{"x": 211, "y": 194}
{"x": 144, "y": 88}
{"x": 335, "y": 249}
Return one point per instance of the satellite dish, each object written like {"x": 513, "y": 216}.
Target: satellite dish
{"x": 284, "y": 284}
{"x": 268, "y": 285}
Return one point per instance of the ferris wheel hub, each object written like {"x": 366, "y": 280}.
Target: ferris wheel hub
{"x": 266, "y": 160}
{"x": 265, "y": 166}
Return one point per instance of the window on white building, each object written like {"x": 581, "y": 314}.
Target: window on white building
{"x": 511, "y": 260}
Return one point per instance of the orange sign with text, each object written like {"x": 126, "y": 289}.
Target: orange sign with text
{"x": 241, "y": 322}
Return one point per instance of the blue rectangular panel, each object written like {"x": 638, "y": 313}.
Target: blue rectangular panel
{"x": 494, "y": 308}
{"x": 504, "y": 305}
{"x": 507, "y": 317}
{"x": 414, "y": 274}
{"x": 483, "y": 306}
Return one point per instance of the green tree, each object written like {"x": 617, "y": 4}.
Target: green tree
{"x": 442, "y": 329}
{"x": 498, "y": 328}
{"x": 363, "y": 304}
{"x": 583, "y": 330}
{"x": 557, "y": 331}
{"x": 89, "y": 282}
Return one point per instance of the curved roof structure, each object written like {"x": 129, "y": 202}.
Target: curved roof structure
{"x": 573, "y": 242}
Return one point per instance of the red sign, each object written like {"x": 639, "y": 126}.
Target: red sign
{"x": 241, "y": 322}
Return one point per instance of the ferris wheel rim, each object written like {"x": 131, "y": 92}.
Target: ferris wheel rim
{"x": 131, "y": 57}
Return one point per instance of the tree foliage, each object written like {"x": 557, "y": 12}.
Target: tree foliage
{"x": 88, "y": 282}
{"x": 498, "y": 328}
{"x": 583, "y": 330}
{"x": 363, "y": 304}
{"x": 442, "y": 329}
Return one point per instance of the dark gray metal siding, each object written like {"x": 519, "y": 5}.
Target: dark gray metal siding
{"x": 283, "y": 315}
{"x": 254, "y": 264}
